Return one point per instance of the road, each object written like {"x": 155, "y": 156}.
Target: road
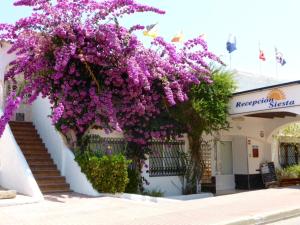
{"x": 75, "y": 209}
{"x": 291, "y": 221}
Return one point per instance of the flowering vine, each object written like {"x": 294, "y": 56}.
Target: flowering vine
{"x": 96, "y": 72}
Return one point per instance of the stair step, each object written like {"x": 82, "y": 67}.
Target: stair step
{"x": 46, "y": 172}
{"x": 50, "y": 188}
{"x": 29, "y": 145}
{"x": 39, "y": 155}
{"x": 51, "y": 168}
{"x": 35, "y": 152}
{"x": 50, "y": 179}
{"x": 19, "y": 123}
{"x": 41, "y": 163}
{"x": 29, "y": 148}
{"x": 39, "y": 160}
{"x": 26, "y": 135}
{"x": 33, "y": 148}
{"x": 23, "y": 130}
{"x": 27, "y": 139}
{"x": 42, "y": 167}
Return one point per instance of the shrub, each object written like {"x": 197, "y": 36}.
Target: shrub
{"x": 107, "y": 173}
{"x": 289, "y": 172}
{"x": 134, "y": 181}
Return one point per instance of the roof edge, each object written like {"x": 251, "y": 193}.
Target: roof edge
{"x": 267, "y": 87}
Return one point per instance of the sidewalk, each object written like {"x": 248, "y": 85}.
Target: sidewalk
{"x": 243, "y": 208}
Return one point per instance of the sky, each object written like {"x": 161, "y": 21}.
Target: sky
{"x": 272, "y": 23}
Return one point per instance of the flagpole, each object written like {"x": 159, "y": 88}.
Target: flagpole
{"x": 259, "y": 61}
{"x": 276, "y": 69}
{"x": 276, "y": 64}
{"x": 230, "y": 61}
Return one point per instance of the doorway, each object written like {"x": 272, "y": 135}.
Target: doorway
{"x": 226, "y": 157}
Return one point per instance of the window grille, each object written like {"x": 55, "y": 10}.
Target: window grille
{"x": 166, "y": 159}
{"x": 288, "y": 154}
{"x": 20, "y": 117}
{"x": 107, "y": 145}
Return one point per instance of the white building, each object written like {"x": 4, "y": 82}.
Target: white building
{"x": 256, "y": 116}
{"x": 233, "y": 161}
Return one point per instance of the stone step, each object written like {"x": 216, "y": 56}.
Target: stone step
{"x": 25, "y": 134}
{"x": 21, "y": 123}
{"x": 37, "y": 157}
{"x": 30, "y": 139}
{"x": 51, "y": 188}
{"x": 35, "y": 152}
{"x": 42, "y": 167}
{"x": 24, "y": 130}
{"x": 50, "y": 179}
{"x": 33, "y": 148}
{"x": 51, "y": 168}
{"x": 29, "y": 143}
{"x": 39, "y": 160}
{"x": 41, "y": 163}
{"x": 46, "y": 172}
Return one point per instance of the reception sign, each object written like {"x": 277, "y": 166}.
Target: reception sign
{"x": 261, "y": 100}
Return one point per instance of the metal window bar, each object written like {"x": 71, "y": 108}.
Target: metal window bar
{"x": 288, "y": 154}
{"x": 166, "y": 159}
{"x": 105, "y": 145}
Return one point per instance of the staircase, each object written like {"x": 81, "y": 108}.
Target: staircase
{"x": 39, "y": 160}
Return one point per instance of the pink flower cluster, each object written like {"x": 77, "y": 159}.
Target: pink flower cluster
{"x": 95, "y": 71}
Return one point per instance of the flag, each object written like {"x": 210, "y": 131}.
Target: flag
{"x": 150, "y": 31}
{"x": 279, "y": 57}
{"x": 203, "y": 36}
{"x": 262, "y": 55}
{"x": 178, "y": 37}
{"x": 151, "y": 26}
{"x": 231, "y": 44}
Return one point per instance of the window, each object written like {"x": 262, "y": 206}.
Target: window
{"x": 166, "y": 159}
{"x": 113, "y": 145}
{"x": 288, "y": 154}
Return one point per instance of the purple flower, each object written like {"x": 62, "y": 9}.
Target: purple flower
{"x": 96, "y": 71}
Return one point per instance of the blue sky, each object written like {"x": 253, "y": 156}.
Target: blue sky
{"x": 270, "y": 22}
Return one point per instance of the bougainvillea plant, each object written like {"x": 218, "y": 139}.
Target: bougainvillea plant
{"x": 95, "y": 72}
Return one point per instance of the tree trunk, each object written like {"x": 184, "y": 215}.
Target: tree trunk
{"x": 196, "y": 171}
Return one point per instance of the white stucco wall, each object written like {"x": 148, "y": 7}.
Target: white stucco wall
{"x": 254, "y": 162}
{"x": 14, "y": 171}
{"x": 5, "y": 59}
{"x": 244, "y": 133}
{"x": 225, "y": 182}
{"x": 62, "y": 156}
